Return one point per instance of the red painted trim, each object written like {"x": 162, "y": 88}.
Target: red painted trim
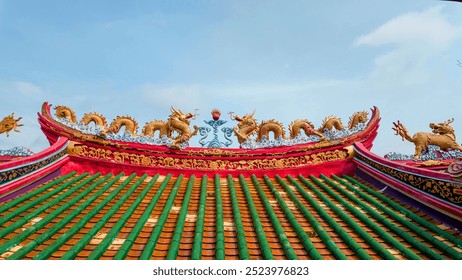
{"x": 30, "y": 178}
{"x": 9, "y": 158}
{"x": 52, "y": 128}
{"x": 81, "y": 164}
{"x": 359, "y": 147}
{"x": 427, "y": 199}
{"x": 36, "y": 157}
{"x": 414, "y": 193}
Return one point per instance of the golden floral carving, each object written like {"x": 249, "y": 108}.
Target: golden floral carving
{"x": 443, "y": 189}
{"x": 8, "y": 175}
{"x": 99, "y": 153}
{"x": 329, "y": 156}
{"x": 430, "y": 163}
{"x": 120, "y": 157}
{"x": 211, "y": 152}
{"x": 204, "y": 163}
{"x": 9, "y": 123}
{"x": 146, "y": 161}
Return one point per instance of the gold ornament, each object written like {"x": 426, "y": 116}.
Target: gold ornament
{"x": 442, "y": 136}
{"x": 357, "y": 118}
{"x": 178, "y": 121}
{"x": 150, "y": 128}
{"x": 9, "y": 123}
{"x": 158, "y": 161}
{"x": 247, "y": 126}
{"x": 95, "y": 118}
{"x": 66, "y": 113}
{"x": 123, "y": 121}
{"x": 297, "y": 126}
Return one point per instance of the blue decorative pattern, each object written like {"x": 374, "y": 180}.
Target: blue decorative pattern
{"x": 9, "y": 175}
{"x": 204, "y": 132}
{"x": 215, "y": 142}
{"x": 16, "y": 152}
{"x": 432, "y": 153}
{"x": 299, "y": 139}
{"x": 124, "y": 137}
{"x": 87, "y": 129}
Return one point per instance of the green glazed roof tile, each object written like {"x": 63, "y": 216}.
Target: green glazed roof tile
{"x": 139, "y": 217}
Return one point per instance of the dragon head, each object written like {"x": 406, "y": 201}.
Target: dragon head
{"x": 246, "y": 118}
{"x": 178, "y": 114}
{"x": 443, "y": 128}
{"x": 247, "y": 125}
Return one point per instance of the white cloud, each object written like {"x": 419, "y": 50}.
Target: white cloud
{"x": 312, "y": 99}
{"x": 428, "y": 29}
{"x": 27, "y": 89}
{"x": 22, "y": 89}
{"x": 179, "y": 96}
{"x": 409, "y": 81}
{"x": 418, "y": 39}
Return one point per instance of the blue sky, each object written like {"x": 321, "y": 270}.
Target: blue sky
{"x": 285, "y": 59}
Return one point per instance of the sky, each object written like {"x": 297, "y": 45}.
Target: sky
{"x": 286, "y": 60}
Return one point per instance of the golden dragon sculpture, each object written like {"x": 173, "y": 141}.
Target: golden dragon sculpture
{"x": 65, "y": 113}
{"x": 116, "y": 125}
{"x": 127, "y": 122}
{"x": 248, "y": 126}
{"x": 357, "y": 118}
{"x": 9, "y": 123}
{"x": 95, "y": 118}
{"x": 151, "y": 128}
{"x": 177, "y": 121}
{"x": 442, "y": 136}
{"x": 297, "y": 126}
{"x": 268, "y": 126}
{"x": 332, "y": 122}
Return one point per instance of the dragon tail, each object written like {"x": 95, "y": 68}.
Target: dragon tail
{"x": 402, "y": 131}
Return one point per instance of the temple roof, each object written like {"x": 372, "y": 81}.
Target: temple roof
{"x": 104, "y": 148}
{"x": 84, "y": 216}
{"x": 96, "y": 194}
